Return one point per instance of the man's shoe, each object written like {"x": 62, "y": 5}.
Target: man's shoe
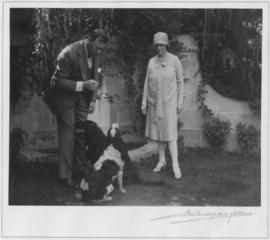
{"x": 62, "y": 181}
{"x": 66, "y": 182}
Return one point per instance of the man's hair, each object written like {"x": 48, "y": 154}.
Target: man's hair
{"x": 98, "y": 33}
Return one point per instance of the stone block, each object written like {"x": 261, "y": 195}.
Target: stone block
{"x": 45, "y": 139}
{"x": 145, "y": 151}
{"x": 126, "y": 114}
{"x": 236, "y": 117}
{"x": 114, "y": 113}
{"x": 217, "y": 102}
{"x": 31, "y": 156}
{"x": 192, "y": 138}
{"x": 191, "y": 119}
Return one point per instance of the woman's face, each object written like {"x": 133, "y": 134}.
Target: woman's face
{"x": 161, "y": 49}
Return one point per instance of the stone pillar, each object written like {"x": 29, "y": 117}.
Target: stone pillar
{"x": 102, "y": 112}
{"x": 190, "y": 115}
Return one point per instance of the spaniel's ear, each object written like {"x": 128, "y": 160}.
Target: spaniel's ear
{"x": 110, "y": 167}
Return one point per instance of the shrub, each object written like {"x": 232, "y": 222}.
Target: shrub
{"x": 216, "y": 131}
{"x": 182, "y": 148}
{"x": 248, "y": 137}
{"x": 17, "y": 139}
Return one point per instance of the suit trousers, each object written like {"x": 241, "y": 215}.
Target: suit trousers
{"x": 71, "y": 145}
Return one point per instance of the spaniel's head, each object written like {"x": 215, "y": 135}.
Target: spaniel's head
{"x": 114, "y": 137}
{"x": 113, "y": 130}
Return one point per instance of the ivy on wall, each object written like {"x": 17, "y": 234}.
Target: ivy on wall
{"x": 229, "y": 39}
{"x": 231, "y": 55}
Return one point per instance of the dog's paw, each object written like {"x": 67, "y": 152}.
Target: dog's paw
{"x": 108, "y": 198}
{"x": 104, "y": 199}
{"x": 78, "y": 196}
{"x": 84, "y": 185}
{"x": 98, "y": 165}
{"x": 110, "y": 188}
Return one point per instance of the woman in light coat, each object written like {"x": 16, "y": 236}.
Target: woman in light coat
{"x": 163, "y": 100}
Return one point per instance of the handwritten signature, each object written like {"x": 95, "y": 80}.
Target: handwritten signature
{"x": 192, "y": 216}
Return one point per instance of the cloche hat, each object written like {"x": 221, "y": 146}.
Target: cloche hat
{"x": 161, "y": 38}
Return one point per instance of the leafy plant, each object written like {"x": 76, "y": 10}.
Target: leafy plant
{"x": 234, "y": 39}
{"x": 219, "y": 33}
{"x": 236, "y": 70}
{"x": 182, "y": 148}
{"x": 216, "y": 132}
{"x": 16, "y": 141}
{"x": 248, "y": 137}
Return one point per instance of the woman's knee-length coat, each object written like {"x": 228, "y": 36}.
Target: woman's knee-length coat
{"x": 163, "y": 94}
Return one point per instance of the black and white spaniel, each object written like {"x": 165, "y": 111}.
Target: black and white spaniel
{"x": 117, "y": 151}
{"x": 98, "y": 184}
{"x": 101, "y": 149}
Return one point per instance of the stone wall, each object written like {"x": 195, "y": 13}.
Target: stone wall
{"x": 34, "y": 116}
{"x": 36, "y": 119}
{"x": 223, "y": 107}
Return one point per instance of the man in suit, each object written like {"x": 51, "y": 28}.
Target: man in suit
{"x": 74, "y": 85}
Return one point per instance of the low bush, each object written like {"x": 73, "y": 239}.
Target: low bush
{"x": 16, "y": 141}
{"x": 216, "y": 132}
{"x": 248, "y": 137}
{"x": 182, "y": 148}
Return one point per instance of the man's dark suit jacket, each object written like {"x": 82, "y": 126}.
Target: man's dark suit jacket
{"x": 71, "y": 67}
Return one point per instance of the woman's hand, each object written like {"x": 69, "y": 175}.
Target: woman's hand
{"x": 143, "y": 109}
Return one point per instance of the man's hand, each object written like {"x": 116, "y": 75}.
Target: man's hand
{"x": 90, "y": 85}
{"x": 92, "y": 107}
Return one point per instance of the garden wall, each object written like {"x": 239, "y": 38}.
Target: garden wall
{"x": 226, "y": 108}
{"x": 35, "y": 117}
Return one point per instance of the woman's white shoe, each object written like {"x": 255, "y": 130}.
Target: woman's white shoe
{"x": 177, "y": 172}
{"x": 161, "y": 165}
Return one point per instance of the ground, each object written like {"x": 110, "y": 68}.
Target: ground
{"x": 209, "y": 179}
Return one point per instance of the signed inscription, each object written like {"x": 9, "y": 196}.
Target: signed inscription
{"x": 191, "y": 216}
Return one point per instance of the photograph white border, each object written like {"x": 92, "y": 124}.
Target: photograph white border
{"x": 134, "y": 222}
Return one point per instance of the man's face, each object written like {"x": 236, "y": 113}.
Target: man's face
{"x": 99, "y": 44}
